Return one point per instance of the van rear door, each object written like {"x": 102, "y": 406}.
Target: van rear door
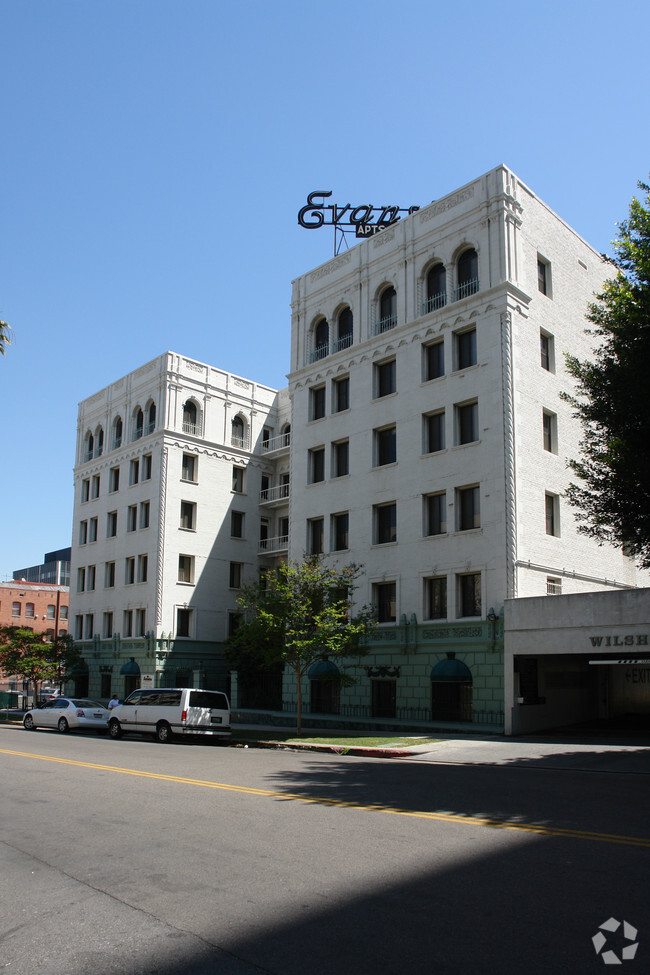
{"x": 207, "y": 711}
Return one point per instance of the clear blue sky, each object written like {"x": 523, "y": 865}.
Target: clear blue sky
{"x": 155, "y": 154}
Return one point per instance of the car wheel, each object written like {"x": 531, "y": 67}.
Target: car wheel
{"x": 63, "y": 726}
{"x": 28, "y": 722}
{"x": 114, "y": 729}
{"x": 163, "y": 733}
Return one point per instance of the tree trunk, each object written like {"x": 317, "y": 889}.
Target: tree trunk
{"x": 299, "y": 702}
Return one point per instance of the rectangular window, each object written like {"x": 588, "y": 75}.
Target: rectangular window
{"x": 435, "y": 598}
{"x": 433, "y": 360}
{"x": 435, "y": 514}
{"x": 114, "y": 480}
{"x": 186, "y": 569}
{"x": 190, "y": 468}
{"x": 132, "y": 518}
{"x": 111, "y": 524}
{"x": 547, "y": 351}
{"x": 385, "y": 378}
{"x": 143, "y": 568}
{"x": 316, "y": 465}
{"x": 465, "y": 348}
{"x": 16, "y": 607}
{"x": 109, "y": 575}
{"x": 340, "y": 394}
{"x": 92, "y": 530}
{"x": 78, "y": 627}
{"x": 385, "y": 446}
{"x": 129, "y": 571}
{"x": 434, "y": 431}
{"x": 340, "y": 524}
{"x": 51, "y": 609}
{"x": 553, "y": 586}
{"x": 235, "y": 575}
{"x": 89, "y": 626}
{"x": 469, "y": 594}
{"x": 140, "y": 622}
{"x": 238, "y": 480}
{"x": 237, "y": 524}
{"x": 96, "y": 482}
{"x": 543, "y": 276}
{"x": 317, "y": 403}
{"x": 466, "y": 423}
{"x": 144, "y": 514}
{"x": 63, "y": 612}
{"x": 385, "y": 602}
{"x": 549, "y": 431}
{"x": 127, "y": 622}
{"x": 385, "y": 523}
{"x": 315, "y": 532}
{"x": 85, "y": 489}
{"x": 552, "y": 503}
{"x": 183, "y": 622}
{"x": 340, "y": 458}
{"x": 134, "y": 471}
{"x": 83, "y": 532}
{"x": 234, "y": 622}
{"x": 188, "y": 516}
{"x": 81, "y": 580}
{"x": 467, "y": 509}
{"x": 107, "y": 629}
{"x": 90, "y": 578}
{"x": 29, "y": 610}
{"x": 146, "y": 467}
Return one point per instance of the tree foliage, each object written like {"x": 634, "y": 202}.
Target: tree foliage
{"x": 5, "y": 336}
{"x": 612, "y": 494}
{"x": 26, "y": 654}
{"x": 297, "y": 614}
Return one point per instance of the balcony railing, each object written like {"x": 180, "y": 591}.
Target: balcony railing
{"x": 280, "y": 492}
{"x": 269, "y": 546}
{"x": 276, "y": 443}
{"x": 466, "y": 289}
{"x": 384, "y": 325}
{"x": 320, "y": 352}
{"x": 344, "y": 342}
{"x": 192, "y": 428}
{"x": 434, "y": 302}
{"x": 242, "y": 442}
{"x": 117, "y": 442}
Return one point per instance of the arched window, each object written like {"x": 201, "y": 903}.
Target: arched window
{"x": 344, "y": 330}
{"x": 190, "y": 416}
{"x": 436, "y": 288}
{"x": 321, "y": 345}
{"x": 387, "y": 310}
{"x": 239, "y": 438}
{"x": 286, "y": 435}
{"x": 89, "y": 446}
{"x": 151, "y": 418}
{"x": 467, "y": 274}
{"x": 117, "y": 432}
{"x": 99, "y": 441}
{"x": 451, "y": 690}
{"x": 138, "y": 424}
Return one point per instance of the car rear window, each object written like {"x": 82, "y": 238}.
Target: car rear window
{"x": 208, "y": 699}
{"x": 78, "y": 703}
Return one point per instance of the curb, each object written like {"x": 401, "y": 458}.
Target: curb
{"x": 332, "y": 749}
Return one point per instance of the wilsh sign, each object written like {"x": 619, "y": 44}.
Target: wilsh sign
{"x": 365, "y": 219}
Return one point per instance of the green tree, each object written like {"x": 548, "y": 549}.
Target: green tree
{"x": 5, "y": 336}
{"x": 27, "y": 655}
{"x": 297, "y": 614}
{"x": 612, "y": 494}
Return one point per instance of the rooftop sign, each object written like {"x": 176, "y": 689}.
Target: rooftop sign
{"x": 366, "y": 219}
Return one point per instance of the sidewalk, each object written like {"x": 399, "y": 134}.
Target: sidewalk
{"x": 557, "y": 751}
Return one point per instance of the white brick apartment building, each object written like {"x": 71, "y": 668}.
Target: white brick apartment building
{"x": 430, "y": 440}
{"x": 175, "y": 500}
{"x": 428, "y": 443}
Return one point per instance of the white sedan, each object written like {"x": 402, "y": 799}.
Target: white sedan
{"x": 67, "y": 713}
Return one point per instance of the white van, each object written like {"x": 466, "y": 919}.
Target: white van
{"x": 167, "y": 711}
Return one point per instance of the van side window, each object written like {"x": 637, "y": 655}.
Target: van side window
{"x": 169, "y": 699}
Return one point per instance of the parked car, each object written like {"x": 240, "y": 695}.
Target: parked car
{"x": 167, "y": 711}
{"x": 67, "y": 713}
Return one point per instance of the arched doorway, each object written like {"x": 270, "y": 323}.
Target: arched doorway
{"x": 451, "y": 691}
{"x": 325, "y": 688}
{"x": 79, "y": 674}
{"x": 131, "y": 674}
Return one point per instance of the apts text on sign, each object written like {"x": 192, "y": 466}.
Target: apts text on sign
{"x": 366, "y": 219}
